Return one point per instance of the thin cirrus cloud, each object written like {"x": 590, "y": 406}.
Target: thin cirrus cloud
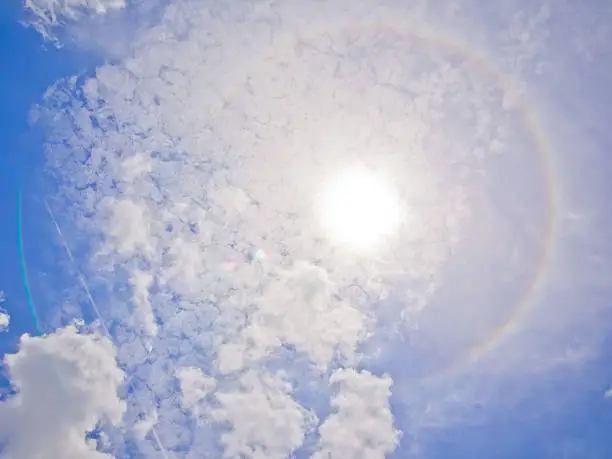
{"x": 207, "y": 144}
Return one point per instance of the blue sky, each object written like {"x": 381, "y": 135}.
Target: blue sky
{"x": 260, "y": 229}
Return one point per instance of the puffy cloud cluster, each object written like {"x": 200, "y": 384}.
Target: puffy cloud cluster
{"x": 262, "y": 417}
{"x": 361, "y": 424}
{"x": 66, "y": 383}
{"x": 321, "y": 326}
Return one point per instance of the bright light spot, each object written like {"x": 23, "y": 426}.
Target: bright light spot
{"x": 359, "y": 209}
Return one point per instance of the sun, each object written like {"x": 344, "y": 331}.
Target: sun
{"x": 358, "y": 208}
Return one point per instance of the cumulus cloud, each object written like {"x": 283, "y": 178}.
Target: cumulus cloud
{"x": 66, "y": 383}
{"x": 129, "y": 227}
{"x": 298, "y": 309}
{"x": 361, "y": 424}
{"x": 262, "y": 418}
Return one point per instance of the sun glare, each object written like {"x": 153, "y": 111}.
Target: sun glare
{"x": 357, "y": 208}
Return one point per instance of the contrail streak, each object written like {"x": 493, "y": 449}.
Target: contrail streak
{"x": 95, "y": 308}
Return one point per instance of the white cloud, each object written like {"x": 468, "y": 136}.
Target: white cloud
{"x": 5, "y": 318}
{"x": 141, "y": 282}
{"x": 134, "y": 167}
{"x": 52, "y": 10}
{"x": 608, "y": 393}
{"x": 66, "y": 383}
{"x": 298, "y": 309}
{"x": 361, "y": 424}
{"x": 185, "y": 267}
{"x": 47, "y": 14}
{"x": 195, "y": 386}
{"x": 129, "y": 226}
{"x": 262, "y": 418}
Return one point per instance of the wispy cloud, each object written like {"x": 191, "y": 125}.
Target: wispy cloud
{"x": 46, "y": 15}
{"x": 5, "y": 318}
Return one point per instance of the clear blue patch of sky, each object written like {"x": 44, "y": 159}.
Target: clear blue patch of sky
{"x": 28, "y": 66}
